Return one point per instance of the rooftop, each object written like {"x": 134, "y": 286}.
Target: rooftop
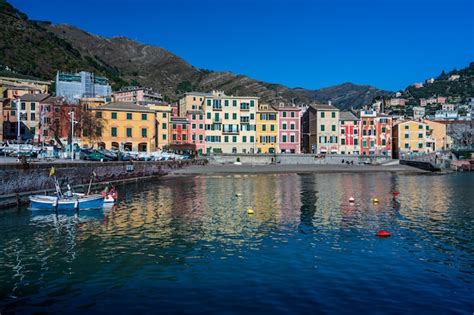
{"x": 125, "y": 106}
{"x": 345, "y": 116}
{"x": 34, "y": 97}
{"x": 323, "y": 107}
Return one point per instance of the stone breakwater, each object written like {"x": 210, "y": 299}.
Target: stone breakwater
{"x": 24, "y": 178}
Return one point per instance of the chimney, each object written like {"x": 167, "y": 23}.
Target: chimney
{"x": 329, "y": 103}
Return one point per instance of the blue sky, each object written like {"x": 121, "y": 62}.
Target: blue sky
{"x": 386, "y": 43}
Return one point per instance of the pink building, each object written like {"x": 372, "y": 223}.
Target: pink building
{"x": 137, "y": 95}
{"x": 197, "y": 130}
{"x": 397, "y": 102}
{"x": 432, "y": 100}
{"x": 349, "y": 133}
{"x": 289, "y": 129}
{"x": 383, "y": 140}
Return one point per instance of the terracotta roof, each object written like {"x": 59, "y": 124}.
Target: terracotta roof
{"x": 125, "y": 106}
{"x": 347, "y": 116}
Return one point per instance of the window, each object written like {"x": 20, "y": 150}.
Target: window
{"x": 234, "y": 115}
{"x": 114, "y": 115}
{"x": 343, "y": 131}
{"x": 33, "y": 106}
{"x": 264, "y": 127}
{"x": 420, "y": 135}
{"x": 371, "y": 122}
{"x": 98, "y": 131}
{"x": 23, "y": 105}
{"x": 33, "y": 116}
{"x": 292, "y": 138}
{"x": 209, "y": 115}
{"x": 208, "y": 104}
{"x": 98, "y": 114}
{"x": 13, "y": 113}
{"x": 200, "y": 137}
{"x": 226, "y": 115}
{"x": 322, "y": 128}
{"x": 164, "y": 126}
{"x": 356, "y": 141}
{"x": 193, "y": 126}
{"x": 364, "y": 122}
{"x": 144, "y": 133}
{"x": 164, "y": 115}
{"x": 200, "y": 117}
{"x": 129, "y": 132}
{"x": 364, "y": 132}
{"x": 252, "y": 116}
{"x": 283, "y": 138}
{"x": 234, "y": 139}
{"x": 333, "y": 127}
{"x": 244, "y": 138}
{"x": 383, "y": 129}
{"x": 201, "y": 126}
{"x": 234, "y": 103}
{"x": 364, "y": 143}
{"x": 283, "y": 127}
{"x": 343, "y": 141}
{"x": 164, "y": 136}
{"x": 333, "y": 114}
{"x": 272, "y": 127}
{"x": 184, "y": 126}
{"x": 184, "y": 137}
{"x": 226, "y": 139}
{"x": 406, "y": 127}
{"x": 407, "y": 146}
{"x": 292, "y": 126}
{"x": 292, "y": 114}
{"x": 407, "y": 136}
{"x": 284, "y": 114}
{"x": 144, "y": 116}
{"x": 420, "y": 126}
{"x": 113, "y": 131}
{"x": 322, "y": 114}
{"x": 252, "y": 139}
{"x": 384, "y": 142}
{"x": 252, "y": 103}
{"x": 226, "y": 103}
{"x": 174, "y": 137}
{"x": 129, "y": 116}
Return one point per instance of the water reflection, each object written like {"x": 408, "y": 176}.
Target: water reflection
{"x": 195, "y": 231}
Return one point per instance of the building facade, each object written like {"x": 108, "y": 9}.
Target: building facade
{"x": 320, "y": 129}
{"x": 73, "y": 86}
{"x": 289, "y": 130}
{"x": 137, "y": 95}
{"x": 197, "y": 130}
{"x": 368, "y": 132}
{"x": 409, "y": 137}
{"x": 267, "y": 133}
{"x": 383, "y": 138}
{"x": 163, "y": 117}
{"x": 349, "y": 134}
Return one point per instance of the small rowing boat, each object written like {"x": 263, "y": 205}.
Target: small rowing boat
{"x": 75, "y": 202}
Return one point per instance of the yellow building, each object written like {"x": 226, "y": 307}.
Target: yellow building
{"x": 267, "y": 129}
{"x": 93, "y": 102}
{"x": 191, "y": 101}
{"x": 127, "y": 127}
{"x": 163, "y": 115}
{"x": 437, "y": 132}
{"x": 410, "y": 137}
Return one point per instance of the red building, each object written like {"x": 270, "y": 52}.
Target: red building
{"x": 368, "y": 132}
{"x": 197, "y": 129}
{"x": 383, "y": 140}
{"x": 349, "y": 133}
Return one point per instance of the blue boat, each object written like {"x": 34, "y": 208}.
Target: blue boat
{"x": 75, "y": 202}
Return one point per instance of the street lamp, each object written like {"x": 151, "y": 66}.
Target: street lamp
{"x": 71, "y": 113}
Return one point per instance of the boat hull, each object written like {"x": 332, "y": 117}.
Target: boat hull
{"x": 82, "y": 203}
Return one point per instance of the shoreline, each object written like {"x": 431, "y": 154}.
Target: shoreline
{"x": 229, "y": 169}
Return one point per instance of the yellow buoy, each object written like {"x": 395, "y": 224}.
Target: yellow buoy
{"x": 250, "y": 211}
{"x": 375, "y": 200}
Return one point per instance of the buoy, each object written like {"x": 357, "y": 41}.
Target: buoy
{"x": 351, "y": 199}
{"x": 375, "y": 200}
{"x": 250, "y": 211}
{"x": 383, "y": 233}
{"x": 395, "y": 193}
{"x": 238, "y": 195}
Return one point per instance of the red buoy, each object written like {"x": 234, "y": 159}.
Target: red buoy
{"x": 383, "y": 233}
{"x": 395, "y": 193}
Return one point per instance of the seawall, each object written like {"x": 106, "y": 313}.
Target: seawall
{"x": 20, "y": 180}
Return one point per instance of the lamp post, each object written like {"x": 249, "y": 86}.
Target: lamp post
{"x": 71, "y": 113}
{"x": 18, "y": 115}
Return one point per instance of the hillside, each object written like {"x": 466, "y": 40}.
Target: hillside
{"x": 41, "y": 48}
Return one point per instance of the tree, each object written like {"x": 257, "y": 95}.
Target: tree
{"x": 91, "y": 125}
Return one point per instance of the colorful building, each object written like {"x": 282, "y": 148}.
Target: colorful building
{"x": 320, "y": 131}
{"x": 163, "y": 117}
{"x": 127, "y": 126}
{"x": 191, "y": 101}
{"x": 349, "y": 134}
{"x": 179, "y": 133}
{"x": 368, "y": 132}
{"x": 383, "y": 132}
{"x": 197, "y": 130}
{"x": 267, "y": 133}
{"x": 289, "y": 132}
{"x": 137, "y": 95}
{"x": 409, "y": 137}
{"x": 437, "y": 133}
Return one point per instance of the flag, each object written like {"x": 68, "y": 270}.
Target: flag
{"x": 52, "y": 171}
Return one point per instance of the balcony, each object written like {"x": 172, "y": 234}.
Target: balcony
{"x": 219, "y": 108}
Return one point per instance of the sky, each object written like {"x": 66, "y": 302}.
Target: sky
{"x": 300, "y": 43}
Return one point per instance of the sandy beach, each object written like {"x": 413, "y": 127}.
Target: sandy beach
{"x": 216, "y": 169}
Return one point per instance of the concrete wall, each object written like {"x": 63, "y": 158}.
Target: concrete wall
{"x": 19, "y": 178}
{"x": 294, "y": 159}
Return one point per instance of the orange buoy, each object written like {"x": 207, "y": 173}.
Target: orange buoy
{"x": 383, "y": 233}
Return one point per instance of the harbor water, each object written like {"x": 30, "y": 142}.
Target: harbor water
{"x": 189, "y": 245}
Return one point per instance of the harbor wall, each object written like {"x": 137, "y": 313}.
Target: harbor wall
{"x": 23, "y": 178}
{"x": 261, "y": 159}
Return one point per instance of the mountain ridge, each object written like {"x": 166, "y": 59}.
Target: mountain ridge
{"x": 41, "y": 48}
